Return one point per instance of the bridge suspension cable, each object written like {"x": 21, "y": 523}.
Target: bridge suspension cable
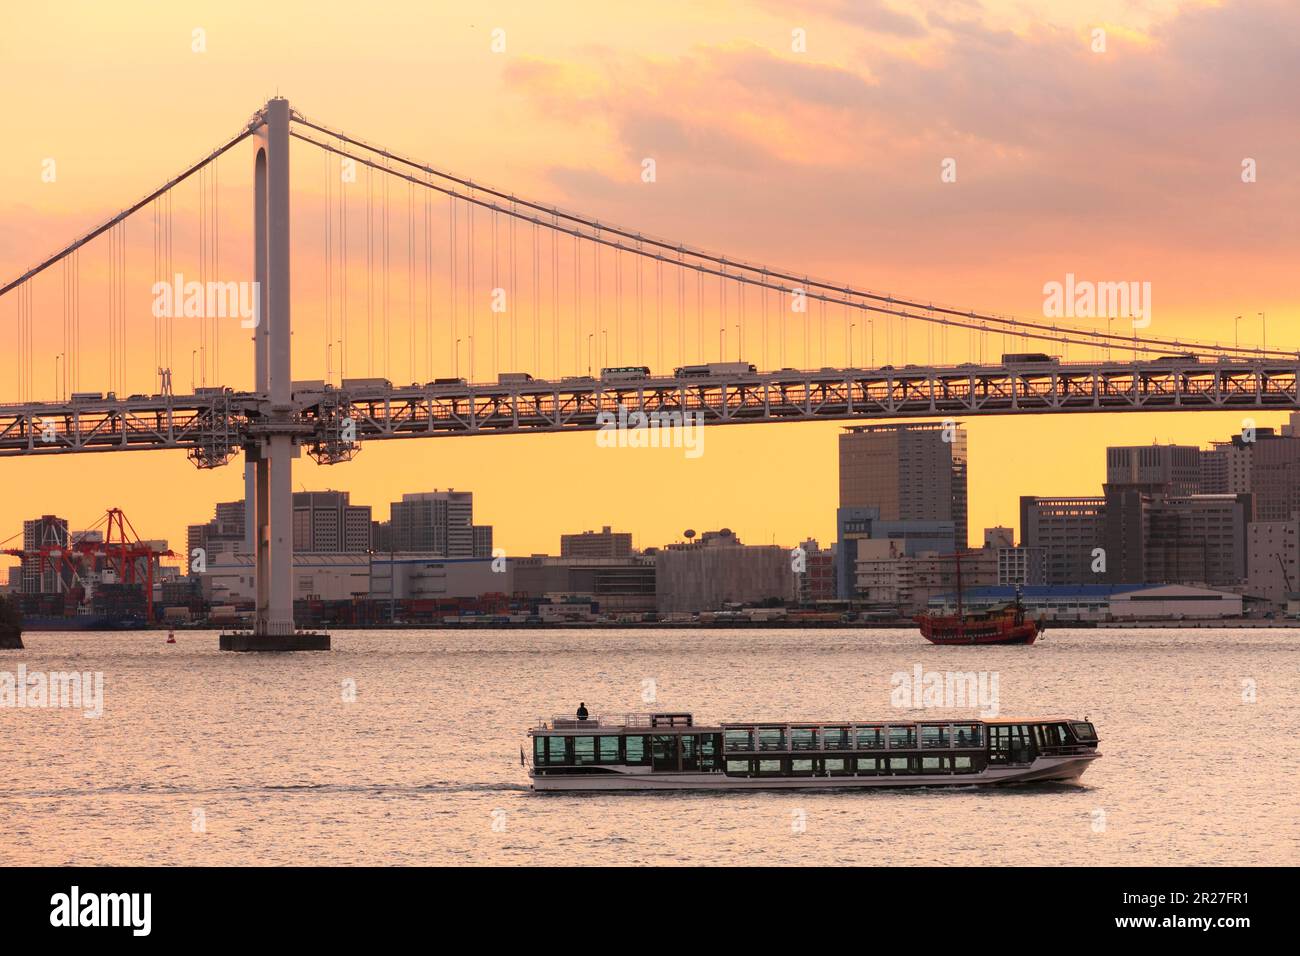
{"x": 725, "y": 268}
{"x": 108, "y": 224}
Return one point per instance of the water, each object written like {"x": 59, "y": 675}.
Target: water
{"x": 265, "y": 754}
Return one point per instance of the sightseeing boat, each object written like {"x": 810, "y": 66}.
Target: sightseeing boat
{"x": 669, "y": 751}
{"x": 1004, "y": 625}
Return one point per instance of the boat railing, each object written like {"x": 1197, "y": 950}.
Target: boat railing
{"x": 591, "y": 721}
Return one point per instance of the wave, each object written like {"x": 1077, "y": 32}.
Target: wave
{"x": 378, "y": 789}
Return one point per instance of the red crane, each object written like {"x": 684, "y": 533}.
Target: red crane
{"x": 120, "y": 551}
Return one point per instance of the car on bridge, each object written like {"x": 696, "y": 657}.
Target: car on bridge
{"x": 715, "y": 370}
{"x": 625, "y": 373}
{"x": 1029, "y": 358}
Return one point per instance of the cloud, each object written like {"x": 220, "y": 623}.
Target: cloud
{"x": 870, "y": 15}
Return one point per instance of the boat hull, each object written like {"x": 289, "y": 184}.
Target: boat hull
{"x": 1041, "y": 770}
{"x": 949, "y": 631}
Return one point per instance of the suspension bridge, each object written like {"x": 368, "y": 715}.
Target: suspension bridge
{"x": 512, "y": 316}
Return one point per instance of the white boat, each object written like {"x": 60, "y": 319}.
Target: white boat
{"x": 669, "y": 751}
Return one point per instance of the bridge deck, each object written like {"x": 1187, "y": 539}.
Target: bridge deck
{"x": 212, "y": 425}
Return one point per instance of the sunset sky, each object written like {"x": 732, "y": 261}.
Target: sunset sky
{"x": 1121, "y": 165}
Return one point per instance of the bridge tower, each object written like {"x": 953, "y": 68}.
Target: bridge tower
{"x": 272, "y": 444}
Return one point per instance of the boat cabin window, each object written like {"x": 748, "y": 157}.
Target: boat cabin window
{"x": 834, "y": 765}
{"x": 539, "y": 750}
{"x": 557, "y": 750}
{"x": 803, "y": 738}
{"x": 771, "y": 738}
{"x": 871, "y": 738}
{"x": 835, "y": 738}
{"x": 800, "y": 767}
{"x": 738, "y": 739}
{"x": 934, "y": 735}
{"x": 710, "y": 745}
{"x": 737, "y": 767}
{"x": 902, "y": 738}
{"x": 635, "y": 751}
{"x": 1010, "y": 743}
{"x": 607, "y": 749}
{"x": 584, "y": 750}
{"x": 1083, "y": 730}
{"x": 967, "y": 735}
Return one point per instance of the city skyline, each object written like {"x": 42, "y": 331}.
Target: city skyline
{"x": 594, "y": 519}
{"x": 683, "y": 96}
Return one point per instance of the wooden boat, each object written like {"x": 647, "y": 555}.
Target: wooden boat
{"x": 1004, "y": 625}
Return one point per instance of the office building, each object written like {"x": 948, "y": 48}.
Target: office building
{"x": 41, "y": 575}
{"x": 717, "y": 569}
{"x": 438, "y": 522}
{"x": 226, "y": 533}
{"x": 326, "y": 522}
{"x": 1165, "y": 469}
{"x": 1068, "y": 532}
{"x": 909, "y": 472}
{"x": 889, "y": 577}
{"x": 856, "y": 525}
{"x": 596, "y": 544}
{"x": 1273, "y": 559}
{"x": 817, "y": 579}
{"x": 1176, "y": 539}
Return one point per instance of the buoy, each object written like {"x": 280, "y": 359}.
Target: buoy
{"x": 171, "y": 637}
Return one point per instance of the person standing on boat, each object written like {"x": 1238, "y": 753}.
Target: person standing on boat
{"x": 582, "y": 711}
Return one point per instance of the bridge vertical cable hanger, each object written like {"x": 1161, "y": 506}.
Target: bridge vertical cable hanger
{"x": 327, "y": 222}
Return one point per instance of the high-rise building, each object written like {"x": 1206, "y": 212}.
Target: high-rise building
{"x": 1068, "y": 531}
{"x": 596, "y": 544}
{"x": 41, "y": 576}
{"x": 326, "y": 522}
{"x": 224, "y": 534}
{"x": 1273, "y": 559}
{"x": 909, "y": 472}
{"x": 1275, "y": 475}
{"x": 438, "y": 522}
{"x": 1022, "y": 566}
{"x": 1259, "y": 461}
{"x": 1166, "y": 469}
{"x": 853, "y": 526}
{"x": 482, "y": 541}
{"x": 1175, "y": 539}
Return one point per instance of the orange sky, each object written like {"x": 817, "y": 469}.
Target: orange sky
{"x": 1122, "y": 165}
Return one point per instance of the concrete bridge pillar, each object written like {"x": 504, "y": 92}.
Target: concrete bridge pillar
{"x": 273, "y": 446}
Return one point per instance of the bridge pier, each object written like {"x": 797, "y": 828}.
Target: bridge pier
{"x": 273, "y": 445}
